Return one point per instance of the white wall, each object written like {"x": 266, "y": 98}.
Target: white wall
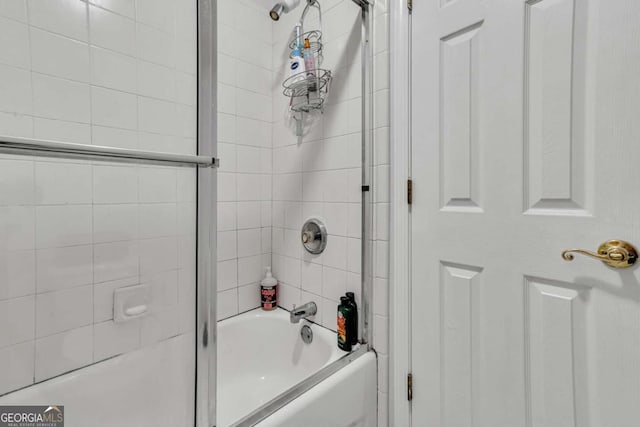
{"x": 245, "y": 150}
{"x": 110, "y": 73}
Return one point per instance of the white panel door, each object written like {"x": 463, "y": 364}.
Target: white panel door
{"x": 525, "y": 142}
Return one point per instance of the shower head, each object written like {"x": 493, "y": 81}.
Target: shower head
{"x": 283, "y": 7}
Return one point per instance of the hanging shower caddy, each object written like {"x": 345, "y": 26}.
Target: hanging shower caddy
{"x": 308, "y": 90}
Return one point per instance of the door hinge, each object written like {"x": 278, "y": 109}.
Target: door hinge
{"x": 410, "y": 191}
{"x": 410, "y": 387}
{"x": 410, "y": 5}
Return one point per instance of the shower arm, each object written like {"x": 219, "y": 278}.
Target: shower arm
{"x": 311, "y": 3}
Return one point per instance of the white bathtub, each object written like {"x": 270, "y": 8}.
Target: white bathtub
{"x": 261, "y": 355}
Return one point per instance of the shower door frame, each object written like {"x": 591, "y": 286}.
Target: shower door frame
{"x": 206, "y": 300}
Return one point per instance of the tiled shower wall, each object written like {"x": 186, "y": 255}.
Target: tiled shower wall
{"x": 318, "y": 175}
{"x": 116, "y": 73}
{"x": 245, "y": 150}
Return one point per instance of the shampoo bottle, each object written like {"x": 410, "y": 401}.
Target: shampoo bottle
{"x": 345, "y": 314}
{"x": 354, "y": 318}
{"x": 296, "y": 66}
{"x": 269, "y": 291}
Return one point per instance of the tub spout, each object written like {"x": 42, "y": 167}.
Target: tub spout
{"x": 303, "y": 311}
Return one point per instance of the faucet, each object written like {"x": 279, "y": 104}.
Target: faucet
{"x": 303, "y": 311}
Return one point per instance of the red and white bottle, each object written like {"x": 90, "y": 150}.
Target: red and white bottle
{"x": 269, "y": 291}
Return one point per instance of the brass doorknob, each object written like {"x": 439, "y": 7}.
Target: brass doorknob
{"x": 614, "y": 253}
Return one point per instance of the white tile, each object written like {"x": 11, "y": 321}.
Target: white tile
{"x": 226, "y": 97}
{"x": 114, "y": 223}
{"x": 248, "y": 297}
{"x": 249, "y": 215}
{"x": 249, "y": 186}
{"x": 186, "y": 19}
{"x": 186, "y": 56}
{"x": 111, "y": 338}
{"x": 227, "y": 303}
{"x": 187, "y": 179}
{"x": 329, "y": 313}
{"x": 14, "y": 9}
{"x": 112, "y": 31}
{"x": 59, "y": 56}
{"x": 354, "y": 220}
{"x": 62, "y": 268}
{"x": 381, "y": 146}
{"x": 59, "y": 226}
{"x": 17, "y": 318}
{"x": 250, "y": 270}
{"x": 226, "y": 69}
{"x": 156, "y": 116}
{"x": 186, "y": 218}
{"x": 249, "y": 242}
{"x": 17, "y": 230}
{"x": 15, "y": 90}
{"x": 252, "y": 132}
{"x": 186, "y": 88}
{"x": 354, "y": 258}
{"x": 63, "y": 183}
{"x": 103, "y": 297}
{"x": 115, "y": 184}
{"x": 21, "y": 360}
{"x": 122, "y": 7}
{"x": 16, "y": 124}
{"x": 334, "y": 283}
{"x": 155, "y": 45}
{"x": 157, "y": 185}
{"x": 186, "y": 122}
{"x": 335, "y": 254}
{"x": 112, "y": 137}
{"x": 16, "y": 182}
{"x": 227, "y": 245}
{"x": 266, "y": 240}
{"x": 226, "y": 216}
{"x": 381, "y": 334}
{"x": 47, "y": 93}
{"x": 157, "y": 220}
{"x": 63, "y": 352}
{"x": 288, "y": 296}
{"x": 156, "y": 13}
{"x": 159, "y": 326}
{"x": 158, "y": 255}
{"x": 14, "y": 42}
{"x": 114, "y": 261}
{"x": 58, "y": 130}
{"x": 382, "y": 221}
{"x": 381, "y": 296}
{"x": 381, "y": 71}
{"x": 66, "y": 17}
{"x": 336, "y": 215}
{"x": 253, "y": 105}
{"x": 63, "y": 310}
{"x": 113, "y": 70}
{"x": 113, "y": 108}
{"x": 156, "y": 81}
{"x": 227, "y": 274}
{"x": 311, "y": 278}
{"x": 382, "y": 259}
{"x": 17, "y": 274}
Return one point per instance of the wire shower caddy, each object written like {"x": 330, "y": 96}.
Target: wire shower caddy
{"x": 308, "y": 90}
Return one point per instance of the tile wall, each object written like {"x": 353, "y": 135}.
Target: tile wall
{"x": 316, "y": 175}
{"x": 320, "y": 174}
{"x": 245, "y": 150}
{"x": 116, "y": 73}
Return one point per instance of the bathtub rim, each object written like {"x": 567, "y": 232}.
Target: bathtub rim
{"x": 297, "y": 390}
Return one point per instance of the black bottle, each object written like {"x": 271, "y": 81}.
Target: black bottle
{"x": 345, "y": 315}
{"x": 354, "y": 318}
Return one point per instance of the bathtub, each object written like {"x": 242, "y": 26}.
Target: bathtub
{"x": 268, "y": 376}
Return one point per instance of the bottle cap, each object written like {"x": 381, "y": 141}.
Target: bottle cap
{"x": 269, "y": 280}
{"x": 307, "y": 44}
{"x": 351, "y": 296}
{"x": 344, "y": 299}
{"x": 296, "y": 52}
